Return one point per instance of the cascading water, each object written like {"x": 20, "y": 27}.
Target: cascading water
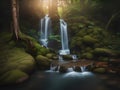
{"x": 45, "y": 30}
{"x": 60, "y": 58}
{"x": 64, "y": 38}
{"x": 83, "y": 68}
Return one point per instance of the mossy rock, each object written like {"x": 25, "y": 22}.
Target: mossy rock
{"x": 31, "y": 45}
{"x": 67, "y": 57}
{"x": 89, "y": 40}
{"x": 43, "y": 62}
{"x": 87, "y": 55}
{"x": 103, "y": 52}
{"x": 50, "y": 55}
{"x": 13, "y": 77}
{"x": 99, "y": 70}
{"x": 16, "y": 58}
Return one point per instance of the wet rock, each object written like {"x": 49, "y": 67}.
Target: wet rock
{"x": 77, "y": 68}
{"x": 63, "y": 69}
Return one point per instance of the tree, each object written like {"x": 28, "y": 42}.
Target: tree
{"x": 15, "y": 11}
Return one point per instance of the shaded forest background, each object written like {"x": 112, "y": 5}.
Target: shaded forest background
{"x": 81, "y": 15}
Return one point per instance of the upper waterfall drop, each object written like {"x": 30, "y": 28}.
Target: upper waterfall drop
{"x": 45, "y": 30}
{"x": 64, "y": 38}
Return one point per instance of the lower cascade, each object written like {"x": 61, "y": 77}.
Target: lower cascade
{"x": 56, "y": 68}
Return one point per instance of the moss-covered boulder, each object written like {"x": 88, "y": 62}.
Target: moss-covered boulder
{"x": 99, "y": 70}
{"x": 52, "y": 56}
{"x": 87, "y": 55}
{"x": 103, "y": 52}
{"x": 16, "y": 58}
{"x": 13, "y": 77}
{"x": 43, "y": 62}
{"x": 31, "y": 45}
{"x": 67, "y": 57}
{"x": 89, "y": 40}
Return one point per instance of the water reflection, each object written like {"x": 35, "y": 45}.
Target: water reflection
{"x": 56, "y": 81}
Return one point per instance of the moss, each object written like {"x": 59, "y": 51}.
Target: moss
{"x": 89, "y": 40}
{"x": 104, "y": 59}
{"x": 87, "y": 55}
{"x": 15, "y": 58}
{"x": 103, "y": 52}
{"x": 99, "y": 70}
{"x": 67, "y": 57}
{"x": 43, "y": 62}
{"x": 31, "y": 45}
{"x": 13, "y": 76}
{"x": 50, "y": 55}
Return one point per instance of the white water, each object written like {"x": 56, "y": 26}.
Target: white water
{"x": 45, "y": 30}
{"x": 64, "y": 38}
{"x": 70, "y": 69}
{"x": 83, "y": 68}
{"x": 60, "y": 58}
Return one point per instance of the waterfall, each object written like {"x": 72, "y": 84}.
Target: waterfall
{"x": 64, "y": 38}
{"x": 60, "y": 58}
{"x": 45, "y": 30}
{"x": 83, "y": 68}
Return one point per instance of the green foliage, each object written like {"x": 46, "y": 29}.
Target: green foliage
{"x": 55, "y": 37}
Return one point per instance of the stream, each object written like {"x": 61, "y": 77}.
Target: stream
{"x": 57, "y": 81}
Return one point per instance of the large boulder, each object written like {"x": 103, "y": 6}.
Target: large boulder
{"x": 63, "y": 69}
{"x": 16, "y": 58}
{"x": 99, "y": 70}
{"x": 67, "y": 57}
{"x": 52, "y": 56}
{"x": 13, "y": 77}
{"x": 89, "y": 40}
{"x": 43, "y": 62}
{"x": 77, "y": 69}
{"x": 103, "y": 52}
{"x": 87, "y": 55}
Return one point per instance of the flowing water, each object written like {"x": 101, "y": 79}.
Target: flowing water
{"x": 45, "y": 30}
{"x": 64, "y": 38}
{"x": 56, "y": 81}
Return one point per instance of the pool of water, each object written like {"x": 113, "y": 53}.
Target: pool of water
{"x": 56, "y": 81}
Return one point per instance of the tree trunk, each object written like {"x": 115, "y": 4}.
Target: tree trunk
{"x": 15, "y": 19}
{"x": 111, "y": 19}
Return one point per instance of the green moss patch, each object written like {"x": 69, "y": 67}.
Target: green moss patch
{"x": 13, "y": 76}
